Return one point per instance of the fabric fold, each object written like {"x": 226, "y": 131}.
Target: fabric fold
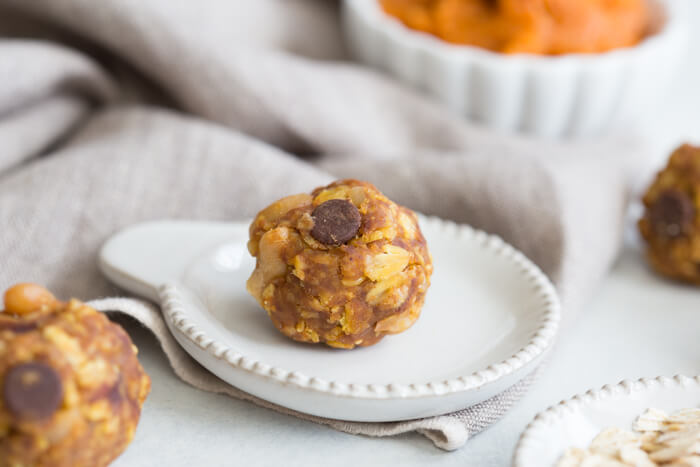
{"x": 254, "y": 113}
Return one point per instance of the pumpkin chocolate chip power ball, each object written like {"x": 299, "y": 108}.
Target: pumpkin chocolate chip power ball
{"x": 71, "y": 388}
{"x": 671, "y": 222}
{"x": 344, "y": 265}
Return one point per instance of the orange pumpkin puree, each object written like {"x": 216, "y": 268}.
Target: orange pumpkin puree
{"x": 550, "y": 27}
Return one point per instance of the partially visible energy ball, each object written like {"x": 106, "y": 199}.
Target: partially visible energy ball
{"x": 671, "y": 221}
{"x": 344, "y": 266}
{"x": 71, "y": 387}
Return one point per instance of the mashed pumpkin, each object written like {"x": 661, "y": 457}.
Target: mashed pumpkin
{"x": 550, "y": 27}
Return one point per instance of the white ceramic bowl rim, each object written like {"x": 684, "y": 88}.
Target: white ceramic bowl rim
{"x": 538, "y": 344}
{"x": 373, "y": 13}
{"x": 626, "y": 387}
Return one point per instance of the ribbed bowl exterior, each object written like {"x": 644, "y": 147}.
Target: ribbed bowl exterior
{"x": 551, "y": 96}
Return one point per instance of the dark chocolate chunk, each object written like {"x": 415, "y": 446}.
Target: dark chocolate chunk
{"x": 672, "y": 214}
{"x": 32, "y": 391}
{"x": 335, "y": 222}
{"x": 17, "y": 326}
{"x": 114, "y": 393}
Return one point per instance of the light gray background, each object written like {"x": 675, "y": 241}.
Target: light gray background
{"x": 637, "y": 325}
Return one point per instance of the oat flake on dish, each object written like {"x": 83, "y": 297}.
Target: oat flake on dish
{"x": 659, "y": 439}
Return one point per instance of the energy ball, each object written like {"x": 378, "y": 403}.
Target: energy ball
{"x": 71, "y": 387}
{"x": 671, "y": 224}
{"x": 343, "y": 266}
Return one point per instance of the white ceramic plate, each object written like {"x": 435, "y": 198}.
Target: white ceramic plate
{"x": 575, "y": 422}
{"x": 489, "y": 317}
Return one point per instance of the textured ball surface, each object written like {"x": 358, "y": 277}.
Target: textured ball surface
{"x": 343, "y": 266}
{"x": 671, "y": 222}
{"x": 71, "y": 387}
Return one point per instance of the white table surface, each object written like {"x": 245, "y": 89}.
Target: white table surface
{"x": 636, "y": 325}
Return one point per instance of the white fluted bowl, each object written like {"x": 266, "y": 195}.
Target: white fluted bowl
{"x": 576, "y": 421}
{"x": 573, "y": 95}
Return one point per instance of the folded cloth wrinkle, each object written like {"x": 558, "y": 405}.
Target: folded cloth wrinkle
{"x": 244, "y": 97}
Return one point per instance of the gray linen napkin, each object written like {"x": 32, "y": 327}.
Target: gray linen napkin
{"x": 122, "y": 111}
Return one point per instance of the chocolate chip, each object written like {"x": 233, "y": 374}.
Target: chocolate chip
{"x": 114, "y": 393}
{"x": 21, "y": 328}
{"x": 335, "y": 222}
{"x": 17, "y": 326}
{"x": 32, "y": 391}
{"x": 672, "y": 214}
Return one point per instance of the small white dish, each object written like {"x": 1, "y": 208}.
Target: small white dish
{"x": 575, "y": 95}
{"x": 575, "y": 422}
{"x": 489, "y": 317}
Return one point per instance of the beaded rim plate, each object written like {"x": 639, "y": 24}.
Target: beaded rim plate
{"x": 576, "y": 421}
{"x": 490, "y": 315}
